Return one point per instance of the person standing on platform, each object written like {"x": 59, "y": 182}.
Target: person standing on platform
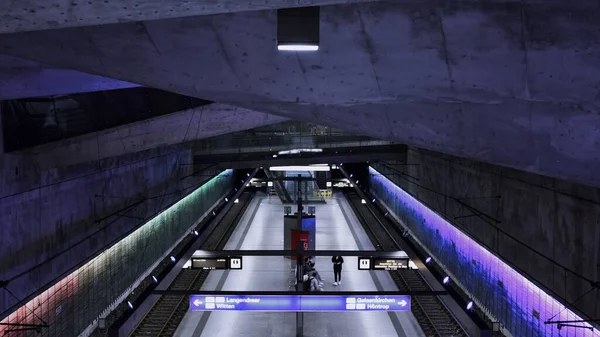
{"x": 337, "y": 269}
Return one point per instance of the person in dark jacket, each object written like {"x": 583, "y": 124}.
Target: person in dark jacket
{"x": 309, "y": 268}
{"x": 314, "y": 283}
{"x": 337, "y": 269}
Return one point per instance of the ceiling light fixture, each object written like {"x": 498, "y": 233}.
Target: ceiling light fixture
{"x": 298, "y": 29}
{"x": 297, "y": 151}
{"x": 297, "y": 47}
{"x": 312, "y": 168}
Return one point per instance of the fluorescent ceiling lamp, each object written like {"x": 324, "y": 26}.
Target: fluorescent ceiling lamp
{"x": 296, "y": 151}
{"x": 298, "y": 47}
{"x": 312, "y": 168}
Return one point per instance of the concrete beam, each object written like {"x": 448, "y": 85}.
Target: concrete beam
{"x": 32, "y": 15}
{"x": 265, "y": 159}
{"x": 20, "y": 78}
{"x": 180, "y": 127}
{"x": 523, "y": 95}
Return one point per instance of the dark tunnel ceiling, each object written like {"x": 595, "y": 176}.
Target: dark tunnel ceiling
{"x": 510, "y": 83}
{"x": 36, "y": 121}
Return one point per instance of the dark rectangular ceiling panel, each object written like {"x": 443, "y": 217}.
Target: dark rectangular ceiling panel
{"x": 35, "y": 121}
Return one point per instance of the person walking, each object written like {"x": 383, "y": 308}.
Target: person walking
{"x": 337, "y": 269}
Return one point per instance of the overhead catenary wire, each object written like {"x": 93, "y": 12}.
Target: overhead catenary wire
{"x": 593, "y": 283}
{"x": 118, "y": 214}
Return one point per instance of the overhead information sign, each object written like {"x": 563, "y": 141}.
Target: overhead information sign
{"x": 382, "y": 263}
{"x": 299, "y": 303}
{"x": 389, "y": 263}
{"x": 216, "y": 263}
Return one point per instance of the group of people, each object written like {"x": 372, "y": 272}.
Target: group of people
{"x": 312, "y": 280}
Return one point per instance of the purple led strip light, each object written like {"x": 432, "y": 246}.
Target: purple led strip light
{"x": 515, "y": 284}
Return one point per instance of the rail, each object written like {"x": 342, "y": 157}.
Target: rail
{"x": 433, "y": 316}
{"x": 161, "y": 332}
{"x": 164, "y": 317}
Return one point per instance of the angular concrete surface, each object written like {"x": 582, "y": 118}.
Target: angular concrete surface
{"x": 30, "y": 15}
{"x": 172, "y": 129}
{"x": 21, "y": 78}
{"x": 515, "y": 84}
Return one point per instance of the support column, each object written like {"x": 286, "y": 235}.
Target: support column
{"x": 299, "y": 261}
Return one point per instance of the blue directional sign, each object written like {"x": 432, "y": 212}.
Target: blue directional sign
{"x": 299, "y": 303}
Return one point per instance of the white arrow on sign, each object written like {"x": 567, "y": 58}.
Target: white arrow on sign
{"x": 402, "y": 303}
{"x": 197, "y": 303}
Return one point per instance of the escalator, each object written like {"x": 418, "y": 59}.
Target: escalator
{"x": 282, "y": 193}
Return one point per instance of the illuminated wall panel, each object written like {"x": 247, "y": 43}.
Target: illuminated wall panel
{"x": 521, "y": 306}
{"x": 71, "y": 304}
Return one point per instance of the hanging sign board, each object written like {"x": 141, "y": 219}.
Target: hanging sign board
{"x": 217, "y": 263}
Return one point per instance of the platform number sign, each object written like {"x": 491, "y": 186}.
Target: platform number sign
{"x": 235, "y": 263}
{"x": 364, "y": 263}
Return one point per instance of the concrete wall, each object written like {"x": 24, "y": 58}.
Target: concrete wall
{"x": 52, "y": 219}
{"x": 544, "y": 227}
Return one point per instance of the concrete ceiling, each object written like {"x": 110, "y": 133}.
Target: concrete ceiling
{"x": 31, "y": 15}
{"x": 175, "y": 128}
{"x": 21, "y": 78}
{"x": 502, "y": 82}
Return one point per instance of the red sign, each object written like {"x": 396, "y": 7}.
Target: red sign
{"x": 299, "y": 236}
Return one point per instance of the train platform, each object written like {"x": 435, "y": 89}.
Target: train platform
{"x": 261, "y": 228}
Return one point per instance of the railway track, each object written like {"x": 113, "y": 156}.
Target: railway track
{"x": 432, "y": 315}
{"x": 168, "y": 312}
